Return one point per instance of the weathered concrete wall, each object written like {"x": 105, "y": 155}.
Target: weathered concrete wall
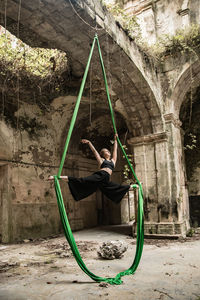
{"x": 32, "y": 153}
{"x": 159, "y": 164}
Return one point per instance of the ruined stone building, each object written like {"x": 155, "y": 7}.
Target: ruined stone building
{"x": 152, "y": 62}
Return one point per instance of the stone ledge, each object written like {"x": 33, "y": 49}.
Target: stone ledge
{"x": 163, "y": 236}
{"x": 171, "y": 118}
{"x": 139, "y": 7}
{"x": 167, "y": 229}
{"x": 150, "y": 138}
{"x": 183, "y": 12}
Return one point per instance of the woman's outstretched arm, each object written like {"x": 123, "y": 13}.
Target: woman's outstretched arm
{"x": 114, "y": 156}
{"x": 95, "y": 152}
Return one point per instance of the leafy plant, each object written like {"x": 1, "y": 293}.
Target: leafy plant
{"x": 128, "y": 23}
{"x": 37, "y": 61}
{"x": 191, "y": 141}
{"x": 190, "y": 232}
{"x": 126, "y": 171}
{"x": 185, "y": 40}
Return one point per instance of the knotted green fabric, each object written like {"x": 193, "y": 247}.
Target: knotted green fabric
{"x": 63, "y": 215}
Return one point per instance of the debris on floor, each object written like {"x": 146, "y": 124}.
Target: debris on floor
{"x": 112, "y": 250}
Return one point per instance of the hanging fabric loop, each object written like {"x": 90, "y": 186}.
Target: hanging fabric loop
{"x": 63, "y": 215}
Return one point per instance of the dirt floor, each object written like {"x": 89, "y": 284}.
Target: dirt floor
{"x": 45, "y": 268}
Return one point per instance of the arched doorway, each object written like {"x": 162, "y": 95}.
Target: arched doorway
{"x": 190, "y": 118}
{"x": 96, "y": 209}
{"x": 184, "y": 102}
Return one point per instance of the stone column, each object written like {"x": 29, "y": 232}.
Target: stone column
{"x": 154, "y": 168}
{"x": 127, "y": 208}
{"x": 179, "y": 192}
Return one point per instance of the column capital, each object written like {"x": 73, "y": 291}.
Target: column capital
{"x": 171, "y": 118}
{"x": 147, "y": 139}
{"x": 183, "y": 12}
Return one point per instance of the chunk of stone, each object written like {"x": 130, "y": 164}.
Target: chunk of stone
{"x": 26, "y": 241}
{"x": 112, "y": 250}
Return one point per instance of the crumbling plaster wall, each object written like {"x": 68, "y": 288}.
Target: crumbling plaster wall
{"x": 32, "y": 151}
{"x": 31, "y": 155}
{"x": 160, "y": 17}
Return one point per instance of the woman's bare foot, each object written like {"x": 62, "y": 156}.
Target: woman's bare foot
{"x": 65, "y": 178}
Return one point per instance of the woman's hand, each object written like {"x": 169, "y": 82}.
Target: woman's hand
{"x": 95, "y": 152}
{"x": 115, "y": 136}
{"x": 85, "y": 141}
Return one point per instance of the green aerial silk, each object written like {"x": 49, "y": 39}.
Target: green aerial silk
{"x": 63, "y": 215}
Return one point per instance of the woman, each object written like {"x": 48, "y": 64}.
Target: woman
{"x": 85, "y": 186}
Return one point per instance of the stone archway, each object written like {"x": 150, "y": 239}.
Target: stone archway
{"x": 179, "y": 106}
{"x": 190, "y": 75}
{"x": 135, "y": 81}
{"x": 190, "y": 116}
{"x": 96, "y": 209}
